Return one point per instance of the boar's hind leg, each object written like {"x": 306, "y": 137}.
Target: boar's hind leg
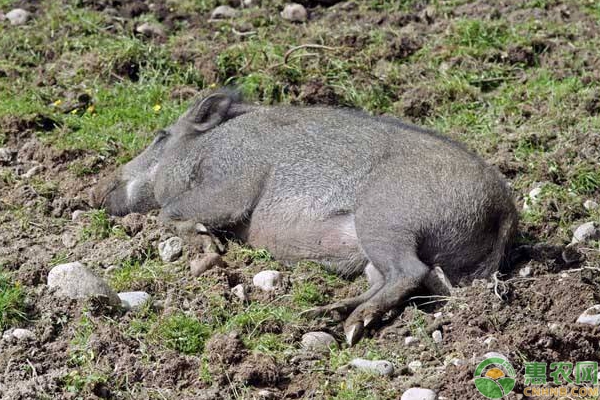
{"x": 402, "y": 273}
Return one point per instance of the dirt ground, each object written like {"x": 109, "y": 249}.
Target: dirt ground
{"x": 86, "y": 350}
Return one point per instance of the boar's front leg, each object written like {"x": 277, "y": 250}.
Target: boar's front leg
{"x": 216, "y": 205}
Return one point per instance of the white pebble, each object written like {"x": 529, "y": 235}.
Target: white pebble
{"x": 77, "y": 214}
{"x": 318, "y": 341}
{"x": 268, "y": 280}
{"x": 378, "y": 367}
{"x": 490, "y": 342}
{"x": 75, "y": 281}
{"x": 438, "y": 315}
{"x": 411, "y": 341}
{"x": 239, "y": 291}
{"x": 590, "y": 205}
{"x": 419, "y": 394}
{"x": 19, "y": 335}
{"x": 171, "y": 249}
{"x": 525, "y": 272}
{"x": 591, "y": 316}
{"x": 457, "y": 362}
{"x": 133, "y": 300}
{"x": 586, "y": 232}
{"x": 294, "y": 12}
{"x": 223, "y": 12}
{"x": 415, "y": 366}
{"x": 437, "y": 336}
{"x": 150, "y": 30}
{"x": 18, "y": 16}
{"x": 532, "y": 198}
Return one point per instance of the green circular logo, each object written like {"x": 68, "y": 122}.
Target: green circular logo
{"x": 494, "y": 377}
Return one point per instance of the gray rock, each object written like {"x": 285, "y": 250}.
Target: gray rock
{"x": 32, "y": 171}
{"x": 590, "y": 205}
{"x": 586, "y": 232}
{"x": 318, "y": 341}
{"x": 18, "y": 16}
{"x": 457, "y": 362}
{"x": 77, "y": 214}
{"x": 150, "y": 30}
{"x": 411, "y": 341}
{"x": 170, "y": 250}
{"x": 223, "y": 12}
{"x": 415, "y": 366}
{"x": 268, "y": 280}
{"x": 198, "y": 266}
{"x": 377, "y": 367}
{"x": 294, "y": 12}
{"x": 6, "y": 155}
{"x": 437, "y": 336}
{"x": 239, "y": 291}
{"x": 75, "y": 281}
{"x": 591, "y": 316}
{"x": 438, "y": 314}
{"x": 419, "y": 394}
{"x": 18, "y": 334}
{"x": 133, "y": 300}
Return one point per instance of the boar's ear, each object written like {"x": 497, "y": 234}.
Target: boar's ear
{"x": 209, "y": 112}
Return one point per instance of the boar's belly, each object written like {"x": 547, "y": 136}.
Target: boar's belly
{"x": 332, "y": 241}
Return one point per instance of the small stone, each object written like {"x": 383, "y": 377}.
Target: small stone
{"x": 111, "y": 269}
{"x": 23, "y": 334}
{"x": 266, "y": 394}
{"x": 490, "y": 342}
{"x": 532, "y": 198}
{"x": 150, "y": 30}
{"x": 75, "y": 281}
{"x": 268, "y": 280}
{"x": 410, "y": 341}
{"x": 377, "y": 367}
{"x": 415, "y": 366}
{"x": 18, "y": 16}
{"x": 493, "y": 354}
{"x": 239, "y": 291}
{"x": 133, "y": 300}
{"x": 437, "y": 336}
{"x": 201, "y": 228}
{"x": 419, "y": 394}
{"x": 586, "y": 232}
{"x": 198, "y": 266}
{"x": 6, "y": 155}
{"x": 223, "y": 12}
{"x": 171, "y": 249}
{"x": 591, "y": 316}
{"x": 321, "y": 342}
{"x": 525, "y": 272}
{"x": 590, "y": 205}
{"x": 133, "y": 223}
{"x": 77, "y": 214}
{"x": 68, "y": 240}
{"x": 457, "y": 362}
{"x": 32, "y": 171}
{"x": 294, "y": 12}
{"x": 553, "y": 327}
{"x": 438, "y": 315}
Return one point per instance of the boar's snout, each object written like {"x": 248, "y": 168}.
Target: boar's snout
{"x": 120, "y": 197}
{"x": 110, "y": 194}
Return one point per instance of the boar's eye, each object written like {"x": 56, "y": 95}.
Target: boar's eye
{"x": 161, "y": 135}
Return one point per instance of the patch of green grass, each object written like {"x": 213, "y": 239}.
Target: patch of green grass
{"x": 585, "y": 180}
{"x": 182, "y": 332}
{"x": 12, "y": 302}
{"x": 100, "y": 227}
{"x": 306, "y": 294}
{"x": 252, "y": 320}
{"x": 137, "y": 274}
{"x": 80, "y": 352}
